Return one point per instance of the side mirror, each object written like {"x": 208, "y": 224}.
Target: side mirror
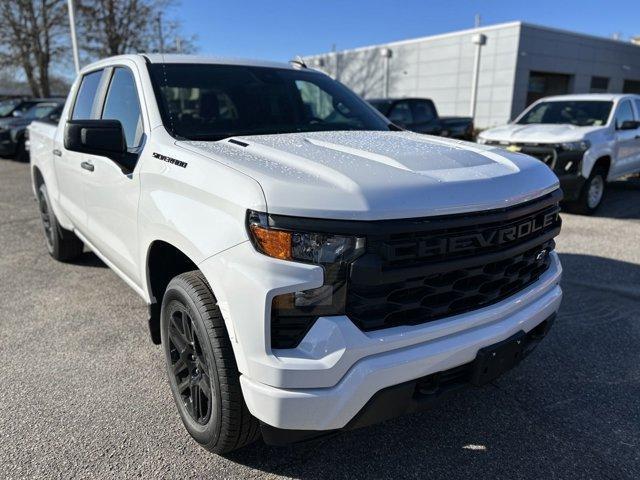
{"x": 96, "y": 137}
{"x": 629, "y": 125}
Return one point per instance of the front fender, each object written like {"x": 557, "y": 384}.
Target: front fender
{"x": 600, "y": 148}
{"x": 200, "y": 209}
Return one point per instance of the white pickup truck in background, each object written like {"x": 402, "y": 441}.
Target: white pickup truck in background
{"x": 586, "y": 140}
{"x": 308, "y": 268}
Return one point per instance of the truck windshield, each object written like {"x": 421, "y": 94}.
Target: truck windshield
{"x": 585, "y": 113}
{"x": 212, "y": 102}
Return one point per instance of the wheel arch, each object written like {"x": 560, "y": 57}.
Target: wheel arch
{"x": 37, "y": 179}
{"x": 163, "y": 261}
{"x": 602, "y": 160}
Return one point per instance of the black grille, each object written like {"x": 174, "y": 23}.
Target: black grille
{"x": 404, "y": 281}
{"x": 547, "y": 154}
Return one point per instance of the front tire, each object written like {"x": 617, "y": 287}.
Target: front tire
{"x": 63, "y": 245}
{"x": 591, "y": 194}
{"x": 202, "y": 370}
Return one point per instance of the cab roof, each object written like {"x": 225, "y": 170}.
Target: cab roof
{"x": 179, "y": 58}
{"x": 606, "y": 97}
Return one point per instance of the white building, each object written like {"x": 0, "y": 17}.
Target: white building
{"x": 519, "y": 63}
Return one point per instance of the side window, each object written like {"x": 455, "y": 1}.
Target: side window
{"x": 122, "y": 104}
{"x": 86, "y": 96}
{"x": 423, "y": 112}
{"x": 401, "y": 114}
{"x": 624, "y": 113}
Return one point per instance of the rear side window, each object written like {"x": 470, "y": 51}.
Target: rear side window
{"x": 122, "y": 104}
{"x": 401, "y": 114}
{"x": 85, "y": 99}
{"x": 423, "y": 112}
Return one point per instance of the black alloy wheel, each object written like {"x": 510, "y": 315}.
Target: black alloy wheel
{"x": 63, "y": 245}
{"x": 203, "y": 374}
{"x": 189, "y": 366}
{"x": 47, "y": 221}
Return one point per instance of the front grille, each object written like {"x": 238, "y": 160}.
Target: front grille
{"x": 546, "y": 154}
{"x": 451, "y": 266}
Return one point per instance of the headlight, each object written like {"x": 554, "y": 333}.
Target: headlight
{"x": 293, "y": 314}
{"x": 580, "y": 146}
{"x": 320, "y": 248}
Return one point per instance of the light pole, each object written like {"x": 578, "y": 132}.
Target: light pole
{"x": 74, "y": 41}
{"x": 160, "y": 38}
{"x": 386, "y": 54}
{"x": 478, "y": 40}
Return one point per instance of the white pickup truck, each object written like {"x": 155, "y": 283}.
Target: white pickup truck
{"x": 308, "y": 267}
{"x": 586, "y": 140}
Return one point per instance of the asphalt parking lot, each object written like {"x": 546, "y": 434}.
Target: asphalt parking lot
{"x": 84, "y": 392}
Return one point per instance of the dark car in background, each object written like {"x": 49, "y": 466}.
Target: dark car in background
{"x": 15, "y": 107}
{"x": 420, "y": 115}
{"x": 13, "y": 128}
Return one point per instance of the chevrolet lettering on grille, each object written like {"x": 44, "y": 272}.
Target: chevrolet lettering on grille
{"x": 435, "y": 246}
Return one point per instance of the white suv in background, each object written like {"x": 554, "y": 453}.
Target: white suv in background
{"x": 586, "y": 140}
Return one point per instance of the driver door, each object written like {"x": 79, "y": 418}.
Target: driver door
{"x": 627, "y": 141}
{"x": 112, "y": 191}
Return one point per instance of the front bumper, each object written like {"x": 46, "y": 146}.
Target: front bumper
{"x": 323, "y": 383}
{"x": 567, "y": 165}
{"x": 571, "y": 186}
{"x": 424, "y": 393}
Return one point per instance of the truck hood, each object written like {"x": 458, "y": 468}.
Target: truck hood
{"x": 538, "y": 133}
{"x": 379, "y": 175}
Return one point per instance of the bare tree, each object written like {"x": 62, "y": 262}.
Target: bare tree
{"x": 115, "y": 27}
{"x": 32, "y": 35}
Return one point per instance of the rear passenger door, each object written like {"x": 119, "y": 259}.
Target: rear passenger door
{"x": 68, "y": 165}
{"x": 112, "y": 190}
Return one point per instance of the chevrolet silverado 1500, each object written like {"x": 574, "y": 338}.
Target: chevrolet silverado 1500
{"x": 307, "y": 267}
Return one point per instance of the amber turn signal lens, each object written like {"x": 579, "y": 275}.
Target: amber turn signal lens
{"x": 275, "y": 243}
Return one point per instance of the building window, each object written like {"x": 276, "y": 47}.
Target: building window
{"x": 543, "y": 84}
{"x": 631, "y": 86}
{"x": 599, "y": 85}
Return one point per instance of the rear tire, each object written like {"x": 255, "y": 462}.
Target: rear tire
{"x": 63, "y": 245}
{"x": 591, "y": 194}
{"x": 202, "y": 370}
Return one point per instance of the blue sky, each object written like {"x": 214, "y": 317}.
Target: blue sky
{"x": 281, "y": 29}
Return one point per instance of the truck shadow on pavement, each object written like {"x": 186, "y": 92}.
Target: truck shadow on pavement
{"x": 622, "y": 200}
{"x": 570, "y": 410}
{"x": 89, "y": 259}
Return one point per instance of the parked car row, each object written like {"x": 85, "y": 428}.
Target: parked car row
{"x": 16, "y": 114}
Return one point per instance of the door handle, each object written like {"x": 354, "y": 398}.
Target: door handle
{"x": 87, "y": 166}
{"x": 57, "y": 152}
